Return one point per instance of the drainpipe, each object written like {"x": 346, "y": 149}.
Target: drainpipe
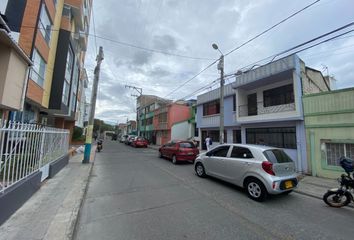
{"x": 312, "y": 153}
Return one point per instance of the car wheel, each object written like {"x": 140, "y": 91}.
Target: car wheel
{"x": 256, "y": 190}
{"x": 174, "y": 159}
{"x": 199, "y": 170}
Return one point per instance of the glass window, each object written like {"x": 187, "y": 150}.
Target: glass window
{"x": 38, "y": 69}
{"x": 277, "y": 156}
{"x": 67, "y": 78}
{"x": 234, "y": 102}
{"x": 277, "y": 137}
{"x": 241, "y": 152}
{"x": 220, "y": 151}
{"x": 186, "y": 145}
{"x": 44, "y": 24}
{"x": 336, "y": 150}
{"x": 211, "y": 108}
{"x": 236, "y": 136}
{"x": 278, "y": 96}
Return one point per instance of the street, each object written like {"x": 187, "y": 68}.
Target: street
{"x": 133, "y": 194}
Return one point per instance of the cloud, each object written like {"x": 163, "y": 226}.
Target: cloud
{"x": 189, "y": 27}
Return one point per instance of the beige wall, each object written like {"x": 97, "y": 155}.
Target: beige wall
{"x": 13, "y": 71}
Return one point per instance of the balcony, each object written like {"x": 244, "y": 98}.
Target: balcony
{"x": 259, "y": 109}
{"x": 83, "y": 40}
{"x": 162, "y": 126}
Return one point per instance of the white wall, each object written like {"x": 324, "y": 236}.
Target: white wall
{"x": 181, "y": 131}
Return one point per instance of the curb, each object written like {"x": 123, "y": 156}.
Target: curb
{"x": 76, "y": 220}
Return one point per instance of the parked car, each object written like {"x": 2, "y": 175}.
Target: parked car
{"x": 123, "y": 138}
{"x": 140, "y": 142}
{"x": 179, "y": 151}
{"x": 261, "y": 170}
{"x": 129, "y": 139}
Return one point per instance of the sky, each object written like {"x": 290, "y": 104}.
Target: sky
{"x": 186, "y": 30}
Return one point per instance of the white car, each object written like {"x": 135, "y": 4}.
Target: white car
{"x": 261, "y": 170}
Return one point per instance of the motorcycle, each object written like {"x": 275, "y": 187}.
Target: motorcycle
{"x": 99, "y": 145}
{"x": 343, "y": 195}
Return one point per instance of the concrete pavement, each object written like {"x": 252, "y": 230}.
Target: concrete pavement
{"x": 52, "y": 212}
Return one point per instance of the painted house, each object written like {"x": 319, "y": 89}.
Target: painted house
{"x": 165, "y": 117}
{"x": 264, "y": 106}
{"x": 146, "y": 105}
{"x": 187, "y": 129}
{"x": 329, "y": 123}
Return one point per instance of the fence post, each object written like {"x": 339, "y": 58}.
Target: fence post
{"x": 41, "y": 153}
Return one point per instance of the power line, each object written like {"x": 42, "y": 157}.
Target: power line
{"x": 94, "y": 28}
{"x": 270, "y": 28}
{"x": 200, "y": 72}
{"x": 130, "y": 45}
{"x": 281, "y": 53}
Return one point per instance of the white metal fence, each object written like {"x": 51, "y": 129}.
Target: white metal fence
{"x": 27, "y": 148}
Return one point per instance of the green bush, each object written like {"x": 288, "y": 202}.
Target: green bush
{"x": 77, "y": 134}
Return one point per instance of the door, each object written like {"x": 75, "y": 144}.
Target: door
{"x": 252, "y": 104}
{"x": 237, "y": 165}
{"x": 214, "y": 161}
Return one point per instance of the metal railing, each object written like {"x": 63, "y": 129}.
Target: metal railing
{"x": 259, "y": 109}
{"x": 27, "y": 148}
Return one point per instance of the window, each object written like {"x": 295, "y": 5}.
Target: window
{"x": 67, "y": 78}
{"x": 162, "y": 117}
{"x": 234, "y": 103}
{"x": 211, "y": 108}
{"x": 278, "y": 96}
{"x": 336, "y": 150}
{"x": 39, "y": 67}
{"x": 241, "y": 152}
{"x": 277, "y": 137}
{"x": 186, "y": 145}
{"x": 44, "y": 24}
{"x": 74, "y": 87}
{"x": 277, "y": 156}
{"x": 220, "y": 151}
{"x": 236, "y": 136}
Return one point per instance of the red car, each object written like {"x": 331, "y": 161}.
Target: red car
{"x": 140, "y": 142}
{"x": 179, "y": 151}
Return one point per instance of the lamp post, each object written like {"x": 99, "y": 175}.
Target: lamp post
{"x": 221, "y": 68}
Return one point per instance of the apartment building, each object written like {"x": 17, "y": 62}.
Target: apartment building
{"x": 264, "y": 106}
{"x": 131, "y": 127}
{"x": 146, "y": 105}
{"x": 53, "y": 33}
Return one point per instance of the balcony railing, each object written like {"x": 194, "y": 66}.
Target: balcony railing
{"x": 162, "y": 126}
{"x": 259, "y": 109}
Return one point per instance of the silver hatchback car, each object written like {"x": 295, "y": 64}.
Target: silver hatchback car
{"x": 261, "y": 170}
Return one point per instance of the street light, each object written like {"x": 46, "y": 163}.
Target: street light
{"x": 221, "y": 68}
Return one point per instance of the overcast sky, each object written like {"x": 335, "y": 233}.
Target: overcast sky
{"x": 188, "y": 28}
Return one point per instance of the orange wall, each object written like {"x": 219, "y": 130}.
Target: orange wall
{"x": 34, "y": 92}
{"x": 29, "y": 21}
{"x": 177, "y": 113}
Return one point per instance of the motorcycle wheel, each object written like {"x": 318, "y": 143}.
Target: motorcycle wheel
{"x": 337, "y": 200}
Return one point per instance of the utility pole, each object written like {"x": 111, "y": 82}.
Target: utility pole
{"x": 140, "y": 91}
{"x": 222, "y": 82}
{"x": 89, "y": 131}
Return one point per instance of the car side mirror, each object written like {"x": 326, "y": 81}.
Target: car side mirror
{"x": 208, "y": 154}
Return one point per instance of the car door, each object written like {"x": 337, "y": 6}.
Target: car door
{"x": 214, "y": 160}
{"x": 164, "y": 149}
{"x": 237, "y": 165}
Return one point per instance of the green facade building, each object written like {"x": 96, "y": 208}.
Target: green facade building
{"x": 329, "y": 124}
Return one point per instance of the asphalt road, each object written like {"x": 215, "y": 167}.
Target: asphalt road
{"x": 133, "y": 194}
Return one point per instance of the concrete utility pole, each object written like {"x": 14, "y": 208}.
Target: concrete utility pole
{"x": 222, "y": 82}
{"x": 89, "y": 131}
{"x": 140, "y": 91}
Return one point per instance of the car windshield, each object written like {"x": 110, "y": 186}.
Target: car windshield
{"x": 186, "y": 145}
{"x": 277, "y": 156}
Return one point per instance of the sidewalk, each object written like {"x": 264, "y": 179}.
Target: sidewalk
{"x": 52, "y": 212}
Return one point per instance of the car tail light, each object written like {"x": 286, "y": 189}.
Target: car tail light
{"x": 268, "y": 167}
